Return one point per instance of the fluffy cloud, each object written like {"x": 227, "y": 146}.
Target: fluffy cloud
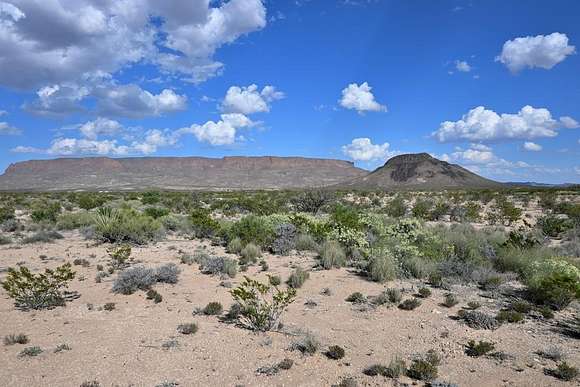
{"x": 362, "y": 149}
{"x": 535, "y": 51}
{"x": 481, "y": 124}
{"x": 532, "y": 146}
{"x": 132, "y": 101}
{"x": 462, "y": 66}
{"x": 101, "y": 126}
{"x": 569, "y": 122}
{"x": 6, "y": 129}
{"x": 58, "y": 100}
{"x": 360, "y": 98}
{"x": 249, "y": 100}
{"x": 222, "y": 132}
{"x": 53, "y": 42}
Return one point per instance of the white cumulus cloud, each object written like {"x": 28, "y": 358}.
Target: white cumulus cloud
{"x": 7, "y": 129}
{"x": 532, "y": 146}
{"x": 569, "y": 122}
{"x": 222, "y": 132}
{"x": 462, "y": 66}
{"x": 543, "y": 51}
{"x": 362, "y": 149}
{"x": 249, "y": 100}
{"x": 360, "y": 98}
{"x": 132, "y": 101}
{"x": 481, "y": 124}
{"x": 51, "y": 42}
{"x": 101, "y": 126}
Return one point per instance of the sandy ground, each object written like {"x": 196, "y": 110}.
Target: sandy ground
{"x": 124, "y": 346}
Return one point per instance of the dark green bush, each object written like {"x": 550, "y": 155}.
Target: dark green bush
{"x": 126, "y": 226}
{"x": 156, "y": 212}
{"x": 553, "y": 226}
{"x": 335, "y": 352}
{"x": 510, "y": 316}
{"x": 45, "y": 212}
{"x": 213, "y": 309}
{"x": 474, "y": 349}
{"x": 252, "y": 229}
{"x": 410, "y": 304}
{"x": 357, "y": 298}
{"x": 564, "y": 371}
{"x": 421, "y": 369}
{"x": 187, "y": 329}
{"x": 203, "y": 225}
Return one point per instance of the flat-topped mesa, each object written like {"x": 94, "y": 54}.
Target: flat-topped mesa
{"x": 178, "y": 173}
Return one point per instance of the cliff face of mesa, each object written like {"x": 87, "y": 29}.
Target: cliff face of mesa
{"x": 179, "y": 173}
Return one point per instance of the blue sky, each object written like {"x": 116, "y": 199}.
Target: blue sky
{"x": 492, "y": 85}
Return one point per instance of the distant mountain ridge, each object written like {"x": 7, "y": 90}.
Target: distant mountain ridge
{"x": 404, "y": 172}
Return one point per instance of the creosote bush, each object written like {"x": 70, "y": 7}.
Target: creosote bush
{"x": 424, "y": 292}
{"x": 564, "y": 371}
{"x": 481, "y": 348}
{"x": 394, "y": 295}
{"x": 235, "y": 246}
{"x": 450, "y": 300}
{"x": 357, "y": 298}
{"x": 510, "y": 316}
{"x": 410, "y": 304}
{"x": 154, "y": 295}
{"x": 38, "y": 291}
{"x": 261, "y": 305}
{"x": 424, "y": 368}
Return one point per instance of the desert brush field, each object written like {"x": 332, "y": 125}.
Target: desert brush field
{"x": 290, "y": 288}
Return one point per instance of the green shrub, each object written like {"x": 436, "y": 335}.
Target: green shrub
{"x": 382, "y": 267}
{"x": 156, "y": 212}
{"x": 45, "y": 212}
{"x": 474, "y": 349}
{"x": 307, "y": 344}
{"x": 311, "y": 201}
{"x": 305, "y": 242}
{"x": 510, "y": 316}
{"x": 38, "y": 291}
{"x": 422, "y": 209}
{"x": 213, "y": 309}
{"x": 126, "y": 226}
{"x": 335, "y": 352}
{"x": 252, "y": 229}
{"x": 250, "y": 254}
{"x": 274, "y": 280}
{"x": 396, "y": 208}
{"x": 424, "y": 292}
{"x": 119, "y": 257}
{"x": 261, "y": 305}
{"x": 42, "y": 237}
{"x": 553, "y": 226}
{"x": 555, "y": 283}
{"x": 30, "y": 351}
{"x": 4, "y": 240}
{"x": 478, "y": 320}
{"x": 394, "y": 295}
{"x": 219, "y": 265}
{"x": 357, "y": 298}
{"x": 88, "y": 201}
{"x": 564, "y": 371}
{"x": 410, "y": 304}
{"x": 15, "y": 339}
{"x": 421, "y": 369}
{"x": 332, "y": 255}
{"x": 6, "y": 213}
{"x": 396, "y": 368}
{"x": 154, "y": 295}
{"x": 187, "y": 329}
{"x": 235, "y": 246}
{"x": 203, "y": 225}
{"x": 297, "y": 278}
{"x": 450, "y": 300}
{"x": 521, "y": 306}
{"x": 74, "y": 220}
{"x": 473, "y": 305}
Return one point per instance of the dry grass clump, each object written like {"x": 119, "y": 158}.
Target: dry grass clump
{"x": 15, "y": 339}
{"x": 297, "y": 278}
